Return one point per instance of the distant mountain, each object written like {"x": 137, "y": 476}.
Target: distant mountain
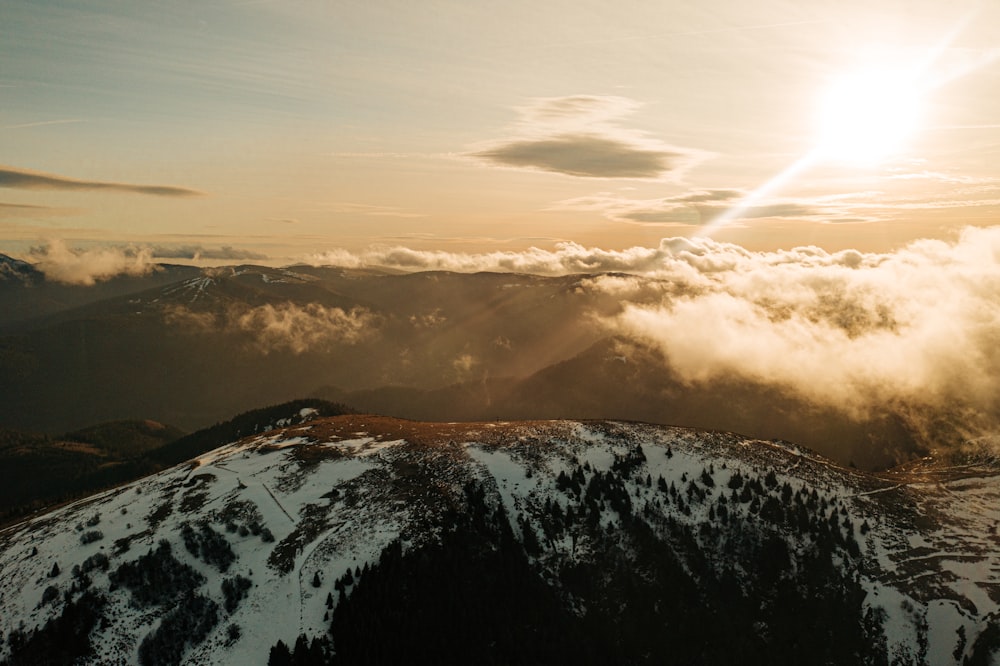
{"x": 37, "y": 470}
{"x": 194, "y": 352}
{"x": 621, "y": 379}
{"x": 15, "y": 271}
{"x": 361, "y": 539}
{"x": 430, "y": 346}
{"x": 27, "y": 298}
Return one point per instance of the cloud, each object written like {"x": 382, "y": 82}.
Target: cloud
{"x": 464, "y": 364}
{"x": 304, "y": 328}
{"x": 284, "y": 327}
{"x": 85, "y": 267}
{"x": 45, "y": 123}
{"x": 586, "y": 155}
{"x": 196, "y": 252}
{"x": 580, "y": 136}
{"x": 37, "y": 180}
{"x": 28, "y": 211}
{"x": 565, "y": 259}
{"x": 702, "y": 206}
{"x": 61, "y": 263}
{"x": 914, "y": 332}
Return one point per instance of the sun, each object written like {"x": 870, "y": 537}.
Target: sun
{"x": 867, "y": 116}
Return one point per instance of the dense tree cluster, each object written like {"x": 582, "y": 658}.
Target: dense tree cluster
{"x": 64, "y": 639}
{"x": 157, "y": 578}
{"x": 208, "y": 545}
{"x": 90, "y": 536}
{"x": 652, "y": 589}
{"x": 234, "y": 590}
{"x": 316, "y": 652}
{"x": 472, "y": 598}
{"x": 188, "y": 623}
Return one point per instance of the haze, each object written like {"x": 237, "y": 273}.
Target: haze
{"x": 280, "y": 129}
{"x": 799, "y": 196}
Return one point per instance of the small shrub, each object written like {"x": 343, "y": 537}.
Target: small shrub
{"x": 91, "y": 536}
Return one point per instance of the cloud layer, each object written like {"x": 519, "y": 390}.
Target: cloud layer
{"x": 61, "y": 263}
{"x": 37, "y": 180}
{"x": 566, "y": 258}
{"x": 914, "y": 333}
{"x": 580, "y": 136}
{"x": 701, "y": 207}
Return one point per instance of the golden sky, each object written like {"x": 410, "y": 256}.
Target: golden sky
{"x": 235, "y": 130}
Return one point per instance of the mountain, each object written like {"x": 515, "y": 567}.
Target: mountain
{"x": 15, "y": 271}
{"x": 27, "y": 298}
{"x": 37, "y": 470}
{"x": 428, "y": 346}
{"x": 618, "y": 378}
{"x": 363, "y": 539}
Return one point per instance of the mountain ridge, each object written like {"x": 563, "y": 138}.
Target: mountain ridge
{"x": 906, "y": 569}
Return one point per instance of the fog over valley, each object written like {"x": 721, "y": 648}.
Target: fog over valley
{"x": 870, "y": 358}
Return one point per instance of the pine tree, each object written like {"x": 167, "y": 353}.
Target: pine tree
{"x": 279, "y": 656}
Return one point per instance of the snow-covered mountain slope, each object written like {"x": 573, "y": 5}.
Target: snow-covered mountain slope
{"x": 630, "y": 541}
{"x": 15, "y": 270}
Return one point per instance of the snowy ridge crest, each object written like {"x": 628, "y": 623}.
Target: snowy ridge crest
{"x": 280, "y": 534}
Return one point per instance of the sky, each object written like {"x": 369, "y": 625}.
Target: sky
{"x": 235, "y": 130}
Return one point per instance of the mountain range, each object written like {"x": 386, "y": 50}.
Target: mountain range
{"x": 189, "y": 347}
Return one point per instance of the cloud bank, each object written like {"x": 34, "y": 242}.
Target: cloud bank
{"x": 197, "y": 252}
{"x": 565, "y": 259}
{"x": 61, "y": 263}
{"x": 580, "y": 136}
{"x": 37, "y": 180}
{"x": 914, "y": 332}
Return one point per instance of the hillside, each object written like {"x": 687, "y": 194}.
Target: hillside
{"x": 37, "y": 470}
{"x": 359, "y": 539}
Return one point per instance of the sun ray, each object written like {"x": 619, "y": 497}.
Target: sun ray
{"x": 866, "y": 116}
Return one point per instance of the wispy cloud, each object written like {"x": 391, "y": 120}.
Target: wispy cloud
{"x": 61, "y": 263}
{"x": 87, "y": 266}
{"x": 44, "y": 123}
{"x": 581, "y": 136}
{"x": 197, "y": 252}
{"x": 586, "y": 155}
{"x": 700, "y": 207}
{"x": 29, "y": 211}
{"x": 371, "y": 210}
{"x": 37, "y": 180}
{"x": 284, "y": 327}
